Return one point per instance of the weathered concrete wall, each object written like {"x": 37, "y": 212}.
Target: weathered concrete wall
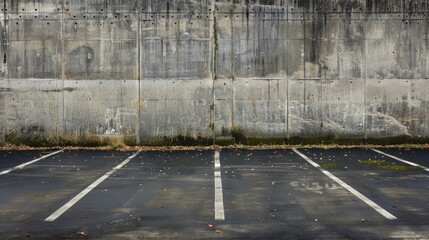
{"x": 203, "y": 72}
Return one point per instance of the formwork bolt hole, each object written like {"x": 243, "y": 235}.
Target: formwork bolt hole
{"x": 18, "y": 68}
{"x": 35, "y": 9}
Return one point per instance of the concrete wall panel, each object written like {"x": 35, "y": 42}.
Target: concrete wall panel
{"x": 397, "y": 107}
{"x": 90, "y": 113}
{"x": 28, "y": 120}
{"x": 175, "y": 108}
{"x": 326, "y": 108}
{"x": 259, "y": 107}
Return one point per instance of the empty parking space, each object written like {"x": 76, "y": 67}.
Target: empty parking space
{"x": 396, "y": 186}
{"x": 30, "y": 194}
{"x": 205, "y": 194}
{"x": 159, "y": 192}
{"x": 276, "y": 193}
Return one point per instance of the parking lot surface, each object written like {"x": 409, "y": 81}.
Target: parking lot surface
{"x": 309, "y": 193}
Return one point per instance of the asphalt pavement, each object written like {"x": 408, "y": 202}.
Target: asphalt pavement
{"x": 308, "y": 193}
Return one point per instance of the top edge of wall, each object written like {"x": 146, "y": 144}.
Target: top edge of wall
{"x": 205, "y": 6}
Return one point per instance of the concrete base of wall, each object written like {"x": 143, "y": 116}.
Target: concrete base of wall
{"x": 204, "y": 112}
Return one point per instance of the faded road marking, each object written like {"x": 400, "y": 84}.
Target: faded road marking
{"x": 28, "y": 163}
{"x": 73, "y": 201}
{"x": 219, "y": 211}
{"x": 401, "y": 160}
{"x": 366, "y": 200}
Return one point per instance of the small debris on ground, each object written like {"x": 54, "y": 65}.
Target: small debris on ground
{"x": 210, "y": 225}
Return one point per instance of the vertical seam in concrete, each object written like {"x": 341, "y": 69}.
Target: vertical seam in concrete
{"x": 138, "y": 140}
{"x": 232, "y": 76}
{"x": 287, "y": 75}
{"x": 63, "y": 69}
{"x": 4, "y": 63}
{"x": 364, "y": 87}
{"x": 213, "y": 48}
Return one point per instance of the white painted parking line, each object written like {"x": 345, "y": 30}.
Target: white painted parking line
{"x": 401, "y": 160}
{"x": 219, "y": 211}
{"x": 21, "y": 166}
{"x": 366, "y": 200}
{"x": 74, "y": 200}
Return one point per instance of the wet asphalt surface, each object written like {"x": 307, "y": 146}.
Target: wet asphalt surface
{"x": 267, "y": 194}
